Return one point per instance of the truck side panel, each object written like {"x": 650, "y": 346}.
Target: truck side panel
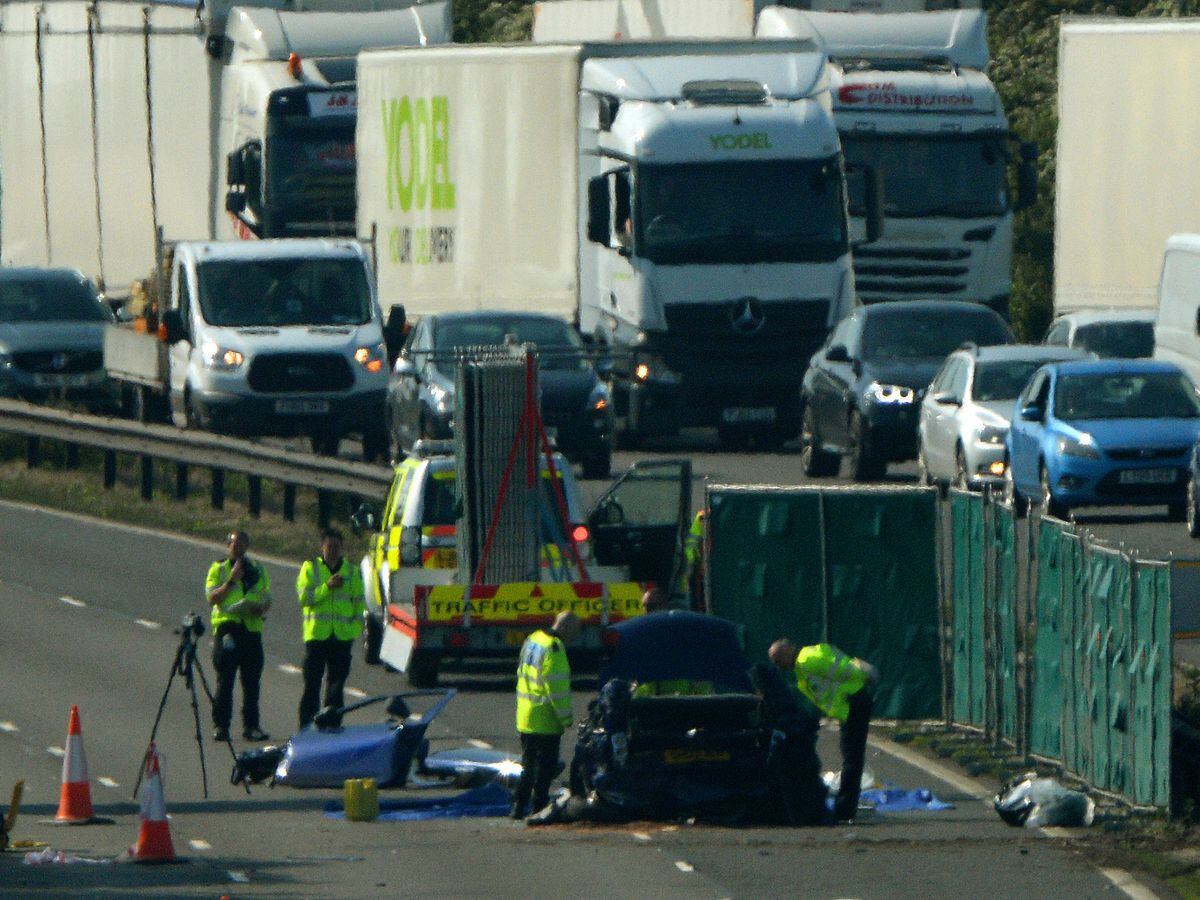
{"x": 1127, "y": 177}
{"x": 467, "y": 168}
{"x": 22, "y": 210}
{"x": 607, "y": 20}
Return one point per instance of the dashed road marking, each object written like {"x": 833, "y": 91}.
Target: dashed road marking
{"x": 684, "y": 866}
{"x": 71, "y": 601}
{"x": 1128, "y": 885}
{"x": 107, "y": 782}
{"x": 641, "y": 836}
{"x": 238, "y": 876}
{"x": 355, "y": 692}
{"x": 290, "y": 669}
{"x": 146, "y": 623}
{"x": 478, "y": 744}
{"x": 8, "y": 727}
{"x": 197, "y": 844}
{"x": 56, "y": 751}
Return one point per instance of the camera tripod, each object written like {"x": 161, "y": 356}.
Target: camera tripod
{"x": 186, "y": 666}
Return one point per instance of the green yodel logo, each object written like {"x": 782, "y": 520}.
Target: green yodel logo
{"x": 418, "y": 153}
{"x": 756, "y": 140}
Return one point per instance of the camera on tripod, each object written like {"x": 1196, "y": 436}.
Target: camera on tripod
{"x": 191, "y": 623}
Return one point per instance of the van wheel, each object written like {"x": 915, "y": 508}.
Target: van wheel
{"x": 598, "y": 467}
{"x": 423, "y": 669}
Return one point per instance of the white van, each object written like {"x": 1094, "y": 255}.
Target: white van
{"x": 1177, "y": 328}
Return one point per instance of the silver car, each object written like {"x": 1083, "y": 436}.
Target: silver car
{"x": 1108, "y": 333}
{"x": 52, "y": 337}
{"x": 965, "y": 414}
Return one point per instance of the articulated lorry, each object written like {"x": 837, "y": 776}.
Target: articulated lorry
{"x": 684, "y": 203}
{"x": 121, "y": 121}
{"x": 910, "y": 98}
{"x": 1128, "y": 95}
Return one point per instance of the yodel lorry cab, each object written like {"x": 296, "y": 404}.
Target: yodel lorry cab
{"x": 598, "y": 565}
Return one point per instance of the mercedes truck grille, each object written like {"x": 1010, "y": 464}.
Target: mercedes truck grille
{"x": 300, "y": 373}
{"x": 906, "y": 273}
{"x": 58, "y": 362}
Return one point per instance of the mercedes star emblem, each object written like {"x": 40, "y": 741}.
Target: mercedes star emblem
{"x": 746, "y": 316}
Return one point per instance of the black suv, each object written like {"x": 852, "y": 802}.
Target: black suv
{"x": 863, "y": 389}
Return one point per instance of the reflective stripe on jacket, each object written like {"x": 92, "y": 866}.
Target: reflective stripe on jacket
{"x": 260, "y": 592}
{"x": 692, "y": 552}
{"x": 829, "y": 678}
{"x": 675, "y": 687}
{"x": 330, "y": 612}
{"x": 543, "y": 686}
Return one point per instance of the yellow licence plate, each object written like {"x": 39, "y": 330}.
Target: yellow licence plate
{"x": 445, "y": 558}
{"x": 684, "y": 757}
{"x": 515, "y": 637}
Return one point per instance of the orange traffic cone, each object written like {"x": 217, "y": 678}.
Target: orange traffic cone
{"x": 154, "y": 837}
{"x": 75, "y": 797}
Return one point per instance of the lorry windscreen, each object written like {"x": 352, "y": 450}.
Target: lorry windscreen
{"x": 955, "y": 177}
{"x": 310, "y": 172}
{"x": 740, "y": 212}
{"x": 240, "y": 293}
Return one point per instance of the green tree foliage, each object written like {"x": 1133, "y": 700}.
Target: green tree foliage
{"x": 492, "y": 21}
{"x": 1024, "y": 43}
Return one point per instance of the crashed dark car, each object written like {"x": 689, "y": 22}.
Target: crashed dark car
{"x": 682, "y": 726}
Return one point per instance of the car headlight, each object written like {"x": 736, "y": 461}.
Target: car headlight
{"x": 896, "y": 394}
{"x": 1084, "y": 447}
{"x": 371, "y": 358}
{"x": 599, "y": 399}
{"x": 6, "y": 360}
{"x": 221, "y": 358}
{"x": 992, "y": 434}
{"x": 651, "y": 367}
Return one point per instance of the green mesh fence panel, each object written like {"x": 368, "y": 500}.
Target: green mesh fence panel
{"x": 1003, "y": 597}
{"x": 1150, "y": 679}
{"x": 966, "y": 523}
{"x": 1046, "y": 692}
{"x": 866, "y": 581}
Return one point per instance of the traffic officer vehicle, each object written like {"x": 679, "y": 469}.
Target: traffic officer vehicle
{"x": 862, "y": 388}
{"x": 632, "y": 539}
{"x": 964, "y": 416}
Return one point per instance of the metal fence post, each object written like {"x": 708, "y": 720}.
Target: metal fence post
{"x": 218, "y": 488}
{"x": 147, "y": 465}
{"x": 181, "y": 481}
{"x": 254, "y": 498}
{"x": 110, "y": 469}
{"x": 324, "y": 508}
{"x": 33, "y": 452}
{"x": 72, "y": 454}
{"x": 289, "y": 502}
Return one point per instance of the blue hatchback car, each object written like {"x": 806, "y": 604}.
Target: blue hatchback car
{"x": 1111, "y": 432}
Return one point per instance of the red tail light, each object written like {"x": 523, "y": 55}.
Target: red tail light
{"x": 580, "y": 534}
{"x": 458, "y": 639}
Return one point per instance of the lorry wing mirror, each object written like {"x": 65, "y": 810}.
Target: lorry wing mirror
{"x": 235, "y": 168}
{"x": 173, "y": 322}
{"x": 235, "y": 202}
{"x": 864, "y": 184}
{"x": 599, "y": 228}
{"x": 1027, "y": 176}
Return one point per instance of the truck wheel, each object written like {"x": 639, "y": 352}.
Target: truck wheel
{"x": 374, "y": 443}
{"x": 423, "y": 669}
{"x": 326, "y": 444}
{"x": 733, "y": 438}
{"x": 372, "y": 640}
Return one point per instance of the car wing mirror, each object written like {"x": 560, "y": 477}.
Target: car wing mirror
{"x": 1031, "y": 413}
{"x": 946, "y": 398}
{"x": 365, "y": 518}
{"x": 405, "y": 368}
{"x": 837, "y": 353}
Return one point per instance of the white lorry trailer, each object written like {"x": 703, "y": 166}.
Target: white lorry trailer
{"x": 120, "y": 121}
{"x": 683, "y": 202}
{"x": 910, "y": 98}
{"x": 1126, "y": 172}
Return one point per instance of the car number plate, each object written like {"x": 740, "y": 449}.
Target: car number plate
{"x": 754, "y": 414}
{"x": 515, "y": 637}
{"x": 686, "y": 757}
{"x": 1147, "y": 476}
{"x": 60, "y": 381}
{"x": 443, "y": 558}
{"x": 301, "y": 407}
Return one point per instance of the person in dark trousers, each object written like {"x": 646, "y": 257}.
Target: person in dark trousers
{"x": 543, "y": 709}
{"x": 841, "y": 687}
{"x": 239, "y": 595}
{"x": 330, "y": 590}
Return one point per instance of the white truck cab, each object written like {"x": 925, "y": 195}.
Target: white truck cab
{"x": 275, "y": 337}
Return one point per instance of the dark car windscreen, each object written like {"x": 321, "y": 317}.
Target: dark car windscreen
{"x": 997, "y": 381}
{"x": 559, "y": 347}
{"x": 1117, "y": 340}
{"x": 930, "y": 335}
{"x": 50, "y": 298}
{"x": 287, "y": 291}
{"x": 441, "y": 500}
{"x": 1124, "y": 395}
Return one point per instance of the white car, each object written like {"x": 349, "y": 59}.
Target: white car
{"x": 1108, "y": 333}
{"x": 966, "y": 411}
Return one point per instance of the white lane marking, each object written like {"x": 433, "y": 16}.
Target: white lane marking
{"x": 238, "y": 876}
{"x": 107, "y": 782}
{"x": 197, "y": 844}
{"x": 1128, "y": 885}
{"x": 146, "y": 623}
{"x": 684, "y": 867}
{"x": 8, "y": 727}
{"x": 355, "y": 692}
{"x": 71, "y": 601}
{"x": 56, "y": 751}
{"x": 481, "y": 745}
{"x": 641, "y": 836}
{"x": 290, "y": 669}
{"x": 937, "y": 770}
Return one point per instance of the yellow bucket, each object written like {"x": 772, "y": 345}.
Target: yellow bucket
{"x": 361, "y": 799}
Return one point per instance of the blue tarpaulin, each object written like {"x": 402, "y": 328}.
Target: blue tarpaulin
{"x": 489, "y": 800}
{"x": 887, "y": 800}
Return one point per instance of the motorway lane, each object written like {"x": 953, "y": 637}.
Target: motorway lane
{"x": 54, "y": 653}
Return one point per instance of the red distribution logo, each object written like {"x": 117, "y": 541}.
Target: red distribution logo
{"x": 885, "y": 93}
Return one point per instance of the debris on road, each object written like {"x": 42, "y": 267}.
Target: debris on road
{"x": 472, "y": 766}
{"x": 50, "y": 856}
{"x": 893, "y": 799}
{"x": 491, "y": 800}
{"x": 1039, "y": 802}
{"x": 10, "y": 818}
